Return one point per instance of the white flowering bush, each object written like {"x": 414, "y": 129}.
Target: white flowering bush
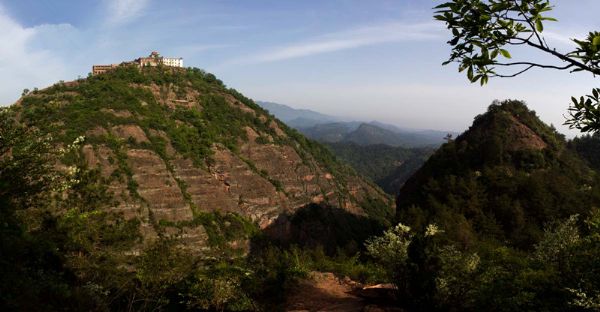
{"x": 456, "y": 273}
{"x": 585, "y": 301}
{"x": 391, "y": 248}
{"x": 557, "y": 240}
{"x": 432, "y": 229}
{"x": 26, "y": 163}
{"x": 72, "y": 173}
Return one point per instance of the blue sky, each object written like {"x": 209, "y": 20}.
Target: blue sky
{"x": 365, "y": 60}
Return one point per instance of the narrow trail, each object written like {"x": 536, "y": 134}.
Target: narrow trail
{"x": 325, "y": 292}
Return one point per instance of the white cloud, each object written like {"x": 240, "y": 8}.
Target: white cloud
{"x": 21, "y": 65}
{"x": 124, "y": 11}
{"x": 354, "y": 38}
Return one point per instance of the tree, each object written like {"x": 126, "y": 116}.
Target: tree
{"x": 32, "y": 272}
{"x": 483, "y": 30}
{"x": 448, "y": 137}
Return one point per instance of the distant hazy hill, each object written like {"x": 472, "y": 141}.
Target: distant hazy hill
{"x": 331, "y": 129}
{"x": 370, "y": 133}
{"x": 329, "y": 132}
{"x": 367, "y": 134}
{"x": 296, "y": 117}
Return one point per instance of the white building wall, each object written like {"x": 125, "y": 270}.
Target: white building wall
{"x": 173, "y": 61}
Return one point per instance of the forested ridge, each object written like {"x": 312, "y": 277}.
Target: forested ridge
{"x": 502, "y": 218}
{"x": 162, "y": 189}
{"x": 388, "y": 166}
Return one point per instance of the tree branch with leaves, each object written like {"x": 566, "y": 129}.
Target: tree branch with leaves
{"x": 484, "y": 30}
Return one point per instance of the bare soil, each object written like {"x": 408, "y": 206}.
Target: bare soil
{"x": 325, "y": 292}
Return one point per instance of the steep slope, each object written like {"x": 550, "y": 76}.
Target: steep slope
{"x": 174, "y": 144}
{"x": 395, "y": 179}
{"x": 502, "y": 180}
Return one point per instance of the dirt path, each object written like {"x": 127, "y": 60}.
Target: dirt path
{"x": 325, "y": 292}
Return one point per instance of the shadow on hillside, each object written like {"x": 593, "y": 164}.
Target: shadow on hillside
{"x": 317, "y": 225}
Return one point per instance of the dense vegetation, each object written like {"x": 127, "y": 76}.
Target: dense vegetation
{"x": 64, "y": 247}
{"x": 588, "y": 147}
{"x": 68, "y": 110}
{"x": 495, "y": 255}
{"x": 388, "y": 166}
{"x": 504, "y": 218}
{"x": 434, "y": 273}
{"x": 69, "y": 252}
{"x": 87, "y": 103}
{"x": 500, "y": 181}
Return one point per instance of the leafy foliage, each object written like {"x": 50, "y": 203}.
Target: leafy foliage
{"x": 329, "y": 228}
{"x": 482, "y": 31}
{"x": 65, "y": 251}
{"x": 46, "y": 254}
{"x": 391, "y": 249}
{"x": 497, "y": 223}
{"x": 433, "y": 274}
{"x": 584, "y": 112}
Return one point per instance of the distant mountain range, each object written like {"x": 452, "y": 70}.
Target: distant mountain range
{"x": 332, "y": 129}
{"x": 297, "y": 118}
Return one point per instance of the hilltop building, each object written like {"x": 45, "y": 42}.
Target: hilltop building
{"x": 154, "y": 59}
{"x": 99, "y": 69}
{"x": 173, "y": 61}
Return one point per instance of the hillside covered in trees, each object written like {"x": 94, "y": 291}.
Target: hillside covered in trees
{"x": 503, "y": 180}
{"x": 161, "y": 188}
{"x": 388, "y": 166}
{"x": 504, "y": 218}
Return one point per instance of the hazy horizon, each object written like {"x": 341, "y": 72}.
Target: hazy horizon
{"x": 379, "y": 60}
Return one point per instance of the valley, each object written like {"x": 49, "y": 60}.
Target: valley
{"x": 385, "y": 153}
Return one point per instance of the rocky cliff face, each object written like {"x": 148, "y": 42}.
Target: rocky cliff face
{"x": 176, "y": 143}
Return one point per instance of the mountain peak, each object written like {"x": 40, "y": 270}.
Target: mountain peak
{"x": 507, "y": 128}
{"x": 498, "y": 180}
{"x": 174, "y": 143}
